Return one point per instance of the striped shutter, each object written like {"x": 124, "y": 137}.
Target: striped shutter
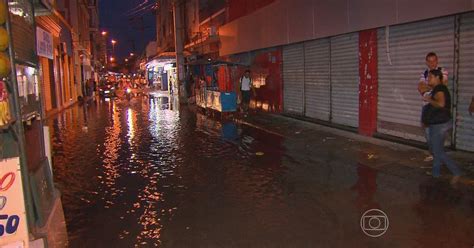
{"x": 293, "y": 78}
{"x": 345, "y": 79}
{"x": 399, "y": 103}
{"x": 465, "y": 122}
{"x": 317, "y": 82}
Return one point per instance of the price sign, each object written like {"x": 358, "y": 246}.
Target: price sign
{"x": 13, "y": 223}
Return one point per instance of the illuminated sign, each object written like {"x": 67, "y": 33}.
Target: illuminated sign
{"x": 44, "y": 43}
{"x": 13, "y": 223}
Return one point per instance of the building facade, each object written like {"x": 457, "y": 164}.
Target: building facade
{"x": 340, "y": 63}
{"x": 356, "y": 65}
{"x": 78, "y": 15}
{"x": 57, "y": 80}
{"x": 75, "y": 52}
{"x": 95, "y": 39}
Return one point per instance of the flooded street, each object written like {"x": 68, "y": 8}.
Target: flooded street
{"x": 148, "y": 173}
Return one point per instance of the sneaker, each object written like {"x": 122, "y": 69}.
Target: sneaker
{"x": 429, "y": 158}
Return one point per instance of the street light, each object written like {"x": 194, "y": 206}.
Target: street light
{"x": 112, "y": 59}
{"x": 113, "y": 46}
{"x": 126, "y": 60}
{"x": 104, "y": 34}
{"x": 132, "y": 54}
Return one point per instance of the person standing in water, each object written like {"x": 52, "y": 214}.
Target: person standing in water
{"x": 437, "y": 117}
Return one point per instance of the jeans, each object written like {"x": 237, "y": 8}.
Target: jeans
{"x": 246, "y": 97}
{"x": 427, "y": 136}
{"x": 436, "y": 139}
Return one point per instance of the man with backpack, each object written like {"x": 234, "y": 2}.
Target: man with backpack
{"x": 425, "y": 90}
{"x": 246, "y": 85}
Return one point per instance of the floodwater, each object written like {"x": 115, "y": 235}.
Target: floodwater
{"x": 147, "y": 173}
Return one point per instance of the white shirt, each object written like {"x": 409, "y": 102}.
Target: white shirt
{"x": 245, "y": 83}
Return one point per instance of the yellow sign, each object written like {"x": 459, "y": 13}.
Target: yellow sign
{"x": 13, "y": 223}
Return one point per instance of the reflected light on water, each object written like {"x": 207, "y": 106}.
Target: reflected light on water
{"x": 112, "y": 146}
{"x": 131, "y": 125}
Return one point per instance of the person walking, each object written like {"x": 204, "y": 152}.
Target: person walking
{"x": 424, "y": 89}
{"x": 437, "y": 116}
{"x": 246, "y": 85}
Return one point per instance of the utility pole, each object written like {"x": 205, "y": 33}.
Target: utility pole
{"x": 179, "y": 45}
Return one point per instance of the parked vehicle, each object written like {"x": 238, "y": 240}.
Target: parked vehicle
{"x": 107, "y": 89}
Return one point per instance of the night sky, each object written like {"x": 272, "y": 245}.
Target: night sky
{"x": 115, "y": 19}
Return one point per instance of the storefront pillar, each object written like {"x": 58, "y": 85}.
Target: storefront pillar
{"x": 368, "y": 86}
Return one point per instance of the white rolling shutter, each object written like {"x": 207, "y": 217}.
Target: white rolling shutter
{"x": 345, "y": 79}
{"x": 465, "y": 122}
{"x": 293, "y": 78}
{"x": 317, "y": 82}
{"x": 399, "y": 103}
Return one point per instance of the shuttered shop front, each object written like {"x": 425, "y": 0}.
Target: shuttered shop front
{"x": 399, "y": 103}
{"x": 465, "y": 122}
{"x": 345, "y": 79}
{"x": 317, "y": 82}
{"x": 293, "y": 79}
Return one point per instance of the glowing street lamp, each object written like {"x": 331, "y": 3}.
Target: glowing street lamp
{"x": 112, "y": 59}
{"x": 126, "y": 60}
{"x": 113, "y": 46}
{"x": 132, "y": 54}
{"x": 104, "y": 34}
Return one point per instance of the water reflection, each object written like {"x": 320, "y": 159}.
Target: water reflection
{"x": 131, "y": 126}
{"x": 110, "y": 157}
{"x": 366, "y": 187}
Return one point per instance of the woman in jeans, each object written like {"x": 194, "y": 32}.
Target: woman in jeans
{"x": 438, "y": 117}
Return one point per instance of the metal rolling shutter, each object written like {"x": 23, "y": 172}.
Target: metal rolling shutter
{"x": 345, "y": 79}
{"x": 317, "y": 83}
{"x": 399, "y": 103}
{"x": 293, "y": 78}
{"x": 465, "y": 122}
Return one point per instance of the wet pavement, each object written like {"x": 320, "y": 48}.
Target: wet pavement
{"x": 148, "y": 173}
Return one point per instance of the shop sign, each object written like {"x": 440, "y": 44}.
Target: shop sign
{"x": 13, "y": 223}
{"x": 44, "y": 43}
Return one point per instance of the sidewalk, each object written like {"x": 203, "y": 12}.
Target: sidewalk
{"x": 376, "y": 153}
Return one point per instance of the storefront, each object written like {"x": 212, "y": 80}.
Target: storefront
{"x": 29, "y": 199}
{"x": 331, "y": 81}
{"x": 162, "y": 74}
{"x": 401, "y": 62}
{"x": 54, "y": 48}
{"x": 321, "y": 79}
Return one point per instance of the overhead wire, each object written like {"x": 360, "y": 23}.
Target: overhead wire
{"x": 142, "y": 10}
{"x": 140, "y": 5}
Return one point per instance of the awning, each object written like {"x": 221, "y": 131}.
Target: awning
{"x": 161, "y": 60}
